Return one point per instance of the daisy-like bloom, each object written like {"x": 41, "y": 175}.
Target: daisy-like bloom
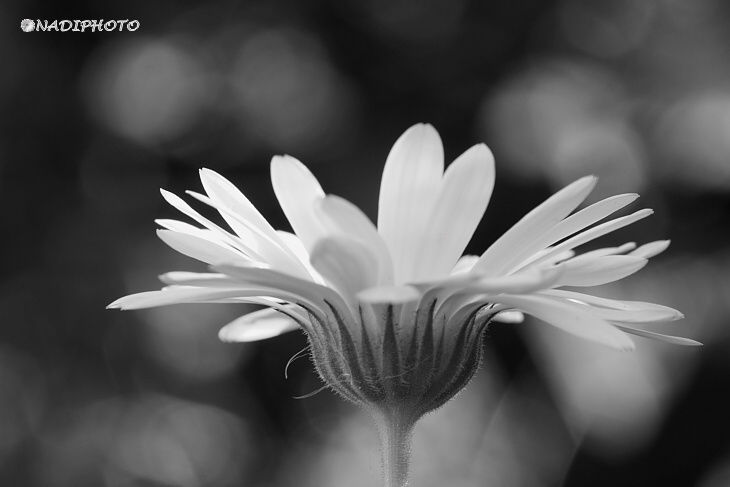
{"x": 394, "y": 314}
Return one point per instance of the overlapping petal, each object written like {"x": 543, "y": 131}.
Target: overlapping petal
{"x": 259, "y": 325}
{"x": 463, "y": 197}
{"x": 339, "y": 268}
{"x": 298, "y": 190}
{"x": 408, "y": 192}
{"x": 571, "y": 317}
{"x": 516, "y": 244}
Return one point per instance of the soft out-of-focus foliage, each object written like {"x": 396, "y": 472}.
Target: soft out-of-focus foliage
{"x": 635, "y": 91}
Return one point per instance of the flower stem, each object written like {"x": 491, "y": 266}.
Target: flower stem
{"x": 396, "y": 430}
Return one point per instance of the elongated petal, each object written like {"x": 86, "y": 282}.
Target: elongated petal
{"x": 670, "y": 314}
{"x": 199, "y": 279}
{"x": 601, "y": 270}
{"x": 409, "y": 188}
{"x": 570, "y": 317}
{"x": 592, "y": 234}
{"x": 346, "y": 263}
{"x": 674, "y": 340}
{"x": 259, "y": 325}
{"x": 651, "y": 249}
{"x": 463, "y": 290}
{"x": 521, "y": 283}
{"x": 516, "y": 244}
{"x": 272, "y": 251}
{"x": 315, "y": 294}
{"x": 343, "y": 218}
{"x": 199, "y": 248}
{"x": 297, "y": 190}
{"x": 225, "y": 236}
{"x": 578, "y": 221}
{"x": 173, "y": 295}
{"x": 606, "y": 251}
{"x": 465, "y": 192}
{"x": 224, "y": 194}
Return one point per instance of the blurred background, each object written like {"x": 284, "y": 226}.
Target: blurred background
{"x": 94, "y": 123}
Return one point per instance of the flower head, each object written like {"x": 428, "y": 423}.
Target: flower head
{"x": 395, "y": 314}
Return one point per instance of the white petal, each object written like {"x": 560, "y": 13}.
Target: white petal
{"x": 297, "y": 190}
{"x": 408, "y": 191}
{"x": 173, "y": 295}
{"x": 593, "y": 233}
{"x": 225, "y": 236}
{"x": 509, "y": 317}
{"x": 601, "y": 270}
{"x": 517, "y": 243}
{"x": 347, "y": 264}
{"x": 669, "y": 314}
{"x": 465, "y": 192}
{"x": 210, "y": 279}
{"x": 314, "y": 294}
{"x": 674, "y": 340}
{"x": 389, "y": 294}
{"x": 571, "y": 318}
{"x": 259, "y": 325}
{"x": 343, "y": 218}
{"x": 224, "y": 194}
{"x": 651, "y": 249}
{"x": 199, "y": 248}
{"x": 580, "y": 220}
{"x": 271, "y": 250}
{"x": 464, "y": 264}
{"x": 606, "y": 251}
{"x": 296, "y": 247}
{"x": 523, "y": 282}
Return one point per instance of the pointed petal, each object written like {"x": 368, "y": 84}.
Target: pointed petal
{"x": 408, "y": 191}
{"x": 199, "y": 248}
{"x": 225, "y": 194}
{"x": 200, "y": 279}
{"x": 592, "y": 234}
{"x": 173, "y": 295}
{"x": 669, "y": 314}
{"x": 674, "y": 340}
{"x": 578, "y": 221}
{"x": 297, "y": 190}
{"x": 607, "y": 251}
{"x": 343, "y": 218}
{"x": 272, "y": 251}
{"x": 346, "y": 263}
{"x": 597, "y": 271}
{"x": 465, "y": 192}
{"x": 651, "y": 249}
{"x": 515, "y": 245}
{"x": 259, "y": 325}
{"x": 225, "y": 236}
{"x": 464, "y": 264}
{"x": 570, "y": 317}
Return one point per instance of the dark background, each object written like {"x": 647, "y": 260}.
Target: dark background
{"x": 93, "y": 123}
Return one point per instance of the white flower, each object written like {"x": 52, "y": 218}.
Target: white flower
{"x": 395, "y": 314}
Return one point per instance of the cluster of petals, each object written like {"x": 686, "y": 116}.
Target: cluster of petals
{"x": 337, "y": 266}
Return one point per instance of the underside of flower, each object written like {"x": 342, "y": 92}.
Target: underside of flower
{"x": 414, "y": 365}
